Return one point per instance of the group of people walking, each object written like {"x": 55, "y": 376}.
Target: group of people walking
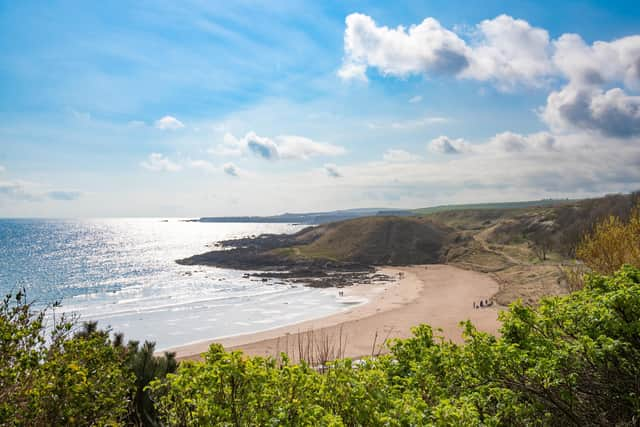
{"x": 483, "y": 303}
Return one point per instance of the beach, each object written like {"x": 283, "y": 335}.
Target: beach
{"x": 439, "y": 295}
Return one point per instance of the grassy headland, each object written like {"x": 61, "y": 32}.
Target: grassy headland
{"x": 523, "y": 245}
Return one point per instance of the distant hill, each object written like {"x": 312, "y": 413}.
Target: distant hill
{"x": 317, "y": 218}
{"x": 497, "y": 206}
{"x": 311, "y": 218}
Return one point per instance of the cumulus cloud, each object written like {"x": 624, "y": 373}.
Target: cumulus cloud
{"x": 505, "y": 50}
{"x": 423, "y": 48}
{"x": 510, "y": 52}
{"x": 611, "y": 113}
{"x": 169, "y": 123}
{"x": 587, "y": 102}
{"x": 260, "y": 146}
{"x": 395, "y": 155}
{"x": 159, "y": 163}
{"x": 501, "y": 143}
{"x": 510, "y": 142}
{"x": 445, "y": 145}
{"x": 538, "y": 164}
{"x": 415, "y": 99}
{"x": 230, "y": 169}
{"x": 602, "y": 62}
{"x": 282, "y": 147}
{"x": 600, "y": 78}
{"x": 332, "y": 170}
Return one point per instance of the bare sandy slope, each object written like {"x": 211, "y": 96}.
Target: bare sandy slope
{"x": 440, "y": 295}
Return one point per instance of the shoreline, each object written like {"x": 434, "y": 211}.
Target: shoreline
{"x": 436, "y": 294}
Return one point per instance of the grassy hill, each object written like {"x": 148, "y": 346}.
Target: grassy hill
{"x": 523, "y": 245}
{"x": 379, "y": 240}
{"x": 490, "y": 206}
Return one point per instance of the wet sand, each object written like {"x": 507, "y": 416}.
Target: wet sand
{"x": 439, "y": 295}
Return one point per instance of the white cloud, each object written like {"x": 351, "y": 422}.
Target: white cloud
{"x": 351, "y": 71}
{"x": 169, "y": 123}
{"x": 32, "y": 192}
{"x": 261, "y": 146}
{"x": 396, "y": 155}
{"x": 510, "y": 142}
{"x": 158, "y": 163}
{"x": 506, "y": 51}
{"x": 588, "y": 102}
{"x": 18, "y": 190}
{"x": 332, "y": 170}
{"x": 230, "y": 169}
{"x": 299, "y": 147}
{"x": 611, "y": 113}
{"x": 423, "y": 48}
{"x": 510, "y": 52}
{"x": 415, "y": 99}
{"x": 445, "y": 145}
{"x": 602, "y": 62}
{"x": 283, "y": 147}
{"x": 2, "y": 169}
{"x": 519, "y": 165}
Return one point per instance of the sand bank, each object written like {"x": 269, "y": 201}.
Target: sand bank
{"x": 440, "y": 295}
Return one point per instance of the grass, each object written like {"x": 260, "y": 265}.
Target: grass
{"x": 489, "y": 206}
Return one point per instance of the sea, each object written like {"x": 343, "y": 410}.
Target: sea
{"x": 122, "y": 273}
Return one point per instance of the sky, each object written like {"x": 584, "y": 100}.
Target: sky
{"x": 202, "y": 108}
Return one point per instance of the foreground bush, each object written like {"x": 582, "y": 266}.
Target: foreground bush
{"x": 612, "y": 243}
{"x": 70, "y": 380}
{"x": 54, "y": 377}
{"x": 574, "y": 360}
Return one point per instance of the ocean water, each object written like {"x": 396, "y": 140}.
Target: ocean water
{"x": 122, "y": 273}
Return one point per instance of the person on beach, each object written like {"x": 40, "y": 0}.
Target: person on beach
{"x": 481, "y": 304}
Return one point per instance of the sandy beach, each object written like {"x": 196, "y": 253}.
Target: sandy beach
{"x": 440, "y": 295}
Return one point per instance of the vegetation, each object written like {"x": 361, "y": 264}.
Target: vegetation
{"x": 379, "y": 240}
{"x": 489, "y": 206}
{"x": 574, "y": 360}
{"x": 52, "y": 376}
{"x": 612, "y": 243}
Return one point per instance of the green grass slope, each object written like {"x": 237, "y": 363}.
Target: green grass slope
{"x": 377, "y": 240}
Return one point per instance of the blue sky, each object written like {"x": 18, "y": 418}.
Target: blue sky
{"x": 218, "y": 108}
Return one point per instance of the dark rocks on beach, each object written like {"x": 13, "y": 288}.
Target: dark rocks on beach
{"x": 256, "y": 254}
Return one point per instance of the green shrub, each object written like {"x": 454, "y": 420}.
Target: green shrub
{"x": 574, "y": 360}
{"x": 56, "y": 378}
